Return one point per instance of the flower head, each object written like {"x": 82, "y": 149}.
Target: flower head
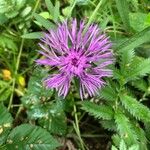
{"x": 76, "y": 54}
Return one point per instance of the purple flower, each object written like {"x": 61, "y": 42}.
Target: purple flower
{"x": 76, "y": 54}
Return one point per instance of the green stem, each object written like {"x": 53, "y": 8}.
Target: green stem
{"x": 19, "y": 110}
{"x": 36, "y": 6}
{"x": 15, "y": 74}
{"x": 73, "y": 5}
{"x": 76, "y": 126}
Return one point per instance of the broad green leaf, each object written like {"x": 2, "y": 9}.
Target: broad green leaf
{"x": 98, "y": 111}
{"x": 26, "y": 137}
{"x": 44, "y": 22}
{"x": 5, "y": 93}
{"x": 37, "y": 95}
{"x": 5, "y": 123}
{"x": 33, "y": 35}
{"x": 137, "y": 109}
{"x": 3, "y": 19}
{"x": 122, "y": 6}
{"x": 6, "y": 42}
{"x": 55, "y": 120}
{"x": 37, "y": 101}
{"x": 135, "y": 41}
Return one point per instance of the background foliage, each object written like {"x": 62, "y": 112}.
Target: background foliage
{"x": 32, "y": 117}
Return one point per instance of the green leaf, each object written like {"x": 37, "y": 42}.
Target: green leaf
{"x": 122, "y": 145}
{"x": 3, "y": 19}
{"x": 108, "y": 92}
{"x": 125, "y": 129}
{"x": 137, "y": 21}
{"x": 56, "y": 11}
{"x": 113, "y": 148}
{"x": 134, "y": 147}
{"x": 28, "y": 136}
{"x": 123, "y": 9}
{"x": 33, "y": 35}
{"x": 137, "y": 109}
{"x": 126, "y": 58}
{"x": 20, "y": 4}
{"x": 137, "y": 69}
{"x": 26, "y": 11}
{"x": 50, "y": 7}
{"x": 5, "y": 93}
{"x": 44, "y": 22}
{"x": 37, "y": 95}
{"x": 55, "y": 120}
{"x": 82, "y": 2}
{"x": 135, "y": 41}
{"x": 5, "y": 123}
{"x": 140, "y": 84}
{"x": 109, "y": 125}
{"x": 98, "y": 111}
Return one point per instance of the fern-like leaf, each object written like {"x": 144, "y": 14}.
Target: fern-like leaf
{"x": 138, "y": 69}
{"x": 108, "y": 93}
{"x": 125, "y": 129}
{"x": 127, "y": 57}
{"x": 98, "y": 111}
{"x": 140, "y": 85}
{"x": 137, "y": 109}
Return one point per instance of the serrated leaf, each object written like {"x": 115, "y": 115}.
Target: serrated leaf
{"x": 125, "y": 129}
{"x": 126, "y": 58}
{"x": 28, "y": 136}
{"x": 134, "y": 147}
{"x": 44, "y": 22}
{"x": 116, "y": 139}
{"x": 137, "y": 109}
{"x": 139, "y": 69}
{"x": 98, "y": 111}
{"x": 140, "y": 84}
{"x": 113, "y": 148}
{"x": 109, "y": 125}
{"x": 108, "y": 93}
{"x": 33, "y": 35}
{"x": 5, "y": 123}
{"x": 122, "y": 145}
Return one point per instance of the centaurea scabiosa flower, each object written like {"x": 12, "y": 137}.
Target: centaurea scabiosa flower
{"x": 76, "y": 54}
